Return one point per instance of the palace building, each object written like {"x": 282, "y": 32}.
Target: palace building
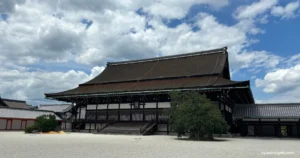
{"x": 132, "y": 96}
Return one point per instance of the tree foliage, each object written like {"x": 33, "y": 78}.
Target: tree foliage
{"x": 194, "y": 113}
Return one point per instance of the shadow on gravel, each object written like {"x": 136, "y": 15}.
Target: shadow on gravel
{"x": 214, "y": 140}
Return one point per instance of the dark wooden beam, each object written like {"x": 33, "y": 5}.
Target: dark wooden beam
{"x": 119, "y": 108}
{"x": 107, "y": 109}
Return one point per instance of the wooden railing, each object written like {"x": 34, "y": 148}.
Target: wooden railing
{"x": 106, "y": 125}
{"x": 146, "y": 126}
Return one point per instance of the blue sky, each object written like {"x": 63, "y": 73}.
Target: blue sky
{"x": 55, "y": 45}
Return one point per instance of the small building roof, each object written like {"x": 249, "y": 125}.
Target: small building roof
{"x": 14, "y": 103}
{"x": 283, "y": 110}
{"x": 6, "y": 112}
{"x": 56, "y": 107}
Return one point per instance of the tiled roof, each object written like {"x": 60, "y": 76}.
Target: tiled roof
{"x": 200, "y": 71}
{"x": 23, "y": 113}
{"x": 183, "y": 65}
{"x": 167, "y": 84}
{"x": 14, "y": 103}
{"x": 56, "y": 107}
{"x": 267, "y": 110}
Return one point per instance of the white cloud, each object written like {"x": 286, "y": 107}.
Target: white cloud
{"x": 280, "y": 80}
{"x": 51, "y": 31}
{"x": 255, "y": 9}
{"x": 31, "y": 33}
{"x": 178, "y": 9}
{"x": 286, "y": 12}
{"x": 31, "y": 86}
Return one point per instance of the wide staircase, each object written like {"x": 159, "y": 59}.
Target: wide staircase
{"x": 134, "y": 128}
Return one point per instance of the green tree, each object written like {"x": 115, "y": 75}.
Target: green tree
{"x": 46, "y": 123}
{"x": 194, "y": 113}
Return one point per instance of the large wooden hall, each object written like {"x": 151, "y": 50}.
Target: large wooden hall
{"x": 132, "y": 96}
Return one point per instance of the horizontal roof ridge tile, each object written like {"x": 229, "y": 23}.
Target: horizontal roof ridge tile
{"x": 205, "y": 52}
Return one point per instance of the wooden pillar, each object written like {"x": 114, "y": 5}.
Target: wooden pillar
{"x": 25, "y": 123}
{"x": 168, "y": 128}
{"x": 298, "y": 130}
{"x": 156, "y": 109}
{"x": 119, "y": 108}
{"x": 279, "y": 128}
{"x": 144, "y": 109}
{"x": 260, "y": 128}
{"x": 79, "y": 117}
{"x": 96, "y": 117}
{"x": 11, "y": 123}
{"x": 65, "y": 115}
{"x": 76, "y": 115}
{"x": 131, "y": 110}
{"x": 107, "y": 109}
{"x": 6, "y": 124}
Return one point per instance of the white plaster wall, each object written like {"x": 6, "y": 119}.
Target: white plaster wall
{"x": 125, "y": 106}
{"x": 83, "y": 111}
{"x": 102, "y": 106}
{"x": 9, "y": 124}
{"x": 92, "y": 125}
{"x": 162, "y": 127}
{"x": 68, "y": 125}
{"x": 98, "y": 126}
{"x": 292, "y": 120}
{"x": 273, "y": 120}
{"x": 222, "y": 106}
{"x": 16, "y": 124}
{"x": 2, "y": 124}
{"x": 164, "y": 104}
{"x": 113, "y": 106}
{"x": 87, "y": 126}
{"x": 91, "y": 107}
{"x": 30, "y": 122}
{"x": 250, "y": 119}
{"x": 125, "y": 117}
{"x": 150, "y": 105}
{"x": 23, "y": 123}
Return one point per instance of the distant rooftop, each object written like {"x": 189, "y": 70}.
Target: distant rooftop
{"x": 282, "y": 110}
{"x": 13, "y": 103}
{"x": 7, "y": 112}
{"x": 56, "y": 107}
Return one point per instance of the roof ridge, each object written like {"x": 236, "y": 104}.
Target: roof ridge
{"x": 205, "y": 52}
{"x": 25, "y": 109}
{"x": 22, "y": 101}
{"x": 53, "y": 105}
{"x": 270, "y": 104}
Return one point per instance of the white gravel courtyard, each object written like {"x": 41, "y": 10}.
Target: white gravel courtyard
{"x": 80, "y": 145}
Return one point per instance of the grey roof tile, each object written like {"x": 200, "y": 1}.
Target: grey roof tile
{"x": 288, "y": 110}
{"x": 56, "y": 107}
{"x": 23, "y": 113}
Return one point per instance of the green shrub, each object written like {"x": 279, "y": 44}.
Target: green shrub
{"x": 194, "y": 113}
{"x": 46, "y": 123}
{"x": 30, "y": 129}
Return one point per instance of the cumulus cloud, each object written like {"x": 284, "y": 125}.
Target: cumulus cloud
{"x": 31, "y": 33}
{"x": 53, "y": 31}
{"x": 280, "y": 80}
{"x": 178, "y": 9}
{"x": 31, "y": 86}
{"x": 255, "y": 9}
{"x": 286, "y": 12}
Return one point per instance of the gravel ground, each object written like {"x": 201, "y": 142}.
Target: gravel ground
{"x": 80, "y": 145}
